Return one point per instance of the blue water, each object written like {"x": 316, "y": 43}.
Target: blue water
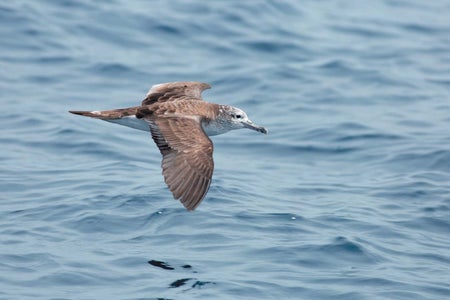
{"x": 348, "y": 197}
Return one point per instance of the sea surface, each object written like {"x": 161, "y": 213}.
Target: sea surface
{"x": 347, "y": 197}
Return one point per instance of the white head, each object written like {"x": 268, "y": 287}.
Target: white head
{"x": 235, "y": 118}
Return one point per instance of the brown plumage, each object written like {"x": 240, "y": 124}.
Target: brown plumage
{"x": 180, "y": 122}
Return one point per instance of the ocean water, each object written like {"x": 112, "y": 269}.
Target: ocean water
{"x": 348, "y": 197}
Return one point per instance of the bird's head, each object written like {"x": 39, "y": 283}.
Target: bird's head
{"x": 237, "y": 119}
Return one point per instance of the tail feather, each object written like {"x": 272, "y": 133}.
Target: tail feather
{"x": 92, "y": 114}
{"x": 121, "y": 116}
{"x": 107, "y": 114}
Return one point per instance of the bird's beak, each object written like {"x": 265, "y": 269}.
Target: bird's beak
{"x": 250, "y": 125}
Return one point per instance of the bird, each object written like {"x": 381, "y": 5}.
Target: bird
{"x": 180, "y": 123}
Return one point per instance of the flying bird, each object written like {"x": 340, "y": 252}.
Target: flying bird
{"x": 180, "y": 123}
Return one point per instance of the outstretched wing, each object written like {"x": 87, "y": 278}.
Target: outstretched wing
{"x": 187, "y": 163}
{"x": 173, "y": 91}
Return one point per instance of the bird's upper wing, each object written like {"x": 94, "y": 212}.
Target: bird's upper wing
{"x": 173, "y": 91}
{"x": 187, "y": 163}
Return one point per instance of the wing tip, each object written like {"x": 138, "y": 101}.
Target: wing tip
{"x": 195, "y": 197}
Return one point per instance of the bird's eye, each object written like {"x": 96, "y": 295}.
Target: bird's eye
{"x": 238, "y": 116}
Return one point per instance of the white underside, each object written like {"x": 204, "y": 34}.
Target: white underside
{"x": 213, "y": 129}
{"x": 141, "y": 124}
{"x": 132, "y": 122}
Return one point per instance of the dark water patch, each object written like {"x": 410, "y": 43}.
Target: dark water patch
{"x": 421, "y": 28}
{"x": 167, "y": 29}
{"x": 338, "y": 66}
{"x": 54, "y": 59}
{"x": 416, "y": 123}
{"x": 270, "y": 46}
{"x": 160, "y": 264}
{"x": 369, "y": 137}
{"x": 191, "y": 283}
{"x": 437, "y": 209}
{"x": 345, "y": 249}
{"x": 40, "y": 79}
{"x": 359, "y": 31}
{"x": 76, "y": 5}
{"x": 180, "y": 282}
{"x": 200, "y": 284}
{"x": 110, "y": 69}
{"x": 166, "y": 266}
{"x": 352, "y": 126}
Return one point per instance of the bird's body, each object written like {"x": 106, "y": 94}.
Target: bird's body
{"x": 180, "y": 123}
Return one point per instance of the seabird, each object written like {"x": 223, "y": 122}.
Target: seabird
{"x": 180, "y": 123}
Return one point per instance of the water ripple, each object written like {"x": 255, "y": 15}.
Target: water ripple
{"x": 345, "y": 198}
